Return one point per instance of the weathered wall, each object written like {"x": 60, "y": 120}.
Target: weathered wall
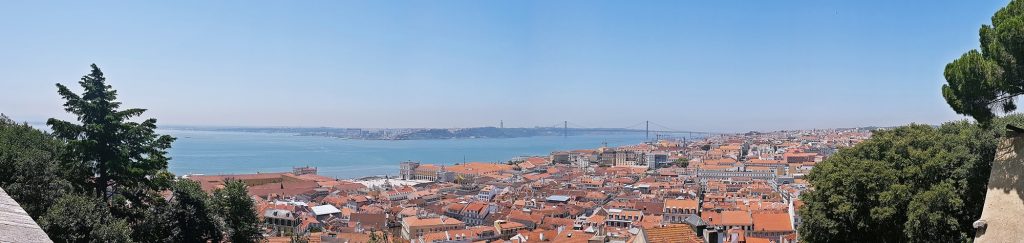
{"x": 1004, "y": 201}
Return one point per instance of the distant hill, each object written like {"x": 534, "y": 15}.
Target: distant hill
{"x": 416, "y": 133}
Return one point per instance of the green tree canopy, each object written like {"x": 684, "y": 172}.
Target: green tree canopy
{"x": 29, "y": 169}
{"x": 193, "y": 214}
{"x": 78, "y": 218}
{"x": 100, "y": 180}
{"x": 990, "y": 78}
{"x": 682, "y": 162}
{"x": 239, "y": 212}
{"x": 915, "y": 183}
{"x": 110, "y": 151}
{"x": 156, "y": 223}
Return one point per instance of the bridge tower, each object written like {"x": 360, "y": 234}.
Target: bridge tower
{"x": 565, "y": 129}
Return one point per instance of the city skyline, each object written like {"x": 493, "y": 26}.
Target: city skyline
{"x": 692, "y": 66}
{"x": 456, "y": 121}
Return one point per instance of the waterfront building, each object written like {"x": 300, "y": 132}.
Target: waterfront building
{"x": 407, "y": 169}
{"x": 304, "y": 170}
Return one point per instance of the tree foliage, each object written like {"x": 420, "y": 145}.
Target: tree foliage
{"x": 914, "y": 183}
{"x": 157, "y": 224}
{"x": 110, "y": 151}
{"x": 979, "y": 81}
{"x": 239, "y": 212}
{"x": 29, "y": 169}
{"x": 193, "y": 215}
{"x": 78, "y": 218}
{"x": 682, "y": 162}
{"x": 102, "y": 179}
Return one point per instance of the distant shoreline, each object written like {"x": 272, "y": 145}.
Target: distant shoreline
{"x": 415, "y": 133}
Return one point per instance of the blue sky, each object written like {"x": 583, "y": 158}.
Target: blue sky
{"x": 695, "y": 65}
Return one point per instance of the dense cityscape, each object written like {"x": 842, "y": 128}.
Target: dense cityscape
{"x": 725, "y": 188}
{"x": 431, "y": 122}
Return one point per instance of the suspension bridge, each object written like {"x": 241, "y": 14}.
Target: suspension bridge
{"x": 649, "y": 128}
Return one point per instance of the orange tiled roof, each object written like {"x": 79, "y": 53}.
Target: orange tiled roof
{"x": 676, "y": 233}
{"x": 572, "y": 236}
{"x": 765, "y": 161}
{"x": 772, "y": 222}
{"x": 736, "y": 218}
{"x": 681, "y": 203}
{"x": 313, "y": 177}
{"x": 758, "y": 240}
{"x": 477, "y": 168}
{"x": 416, "y": 221}
{"x": 475, "y": 207}
{"x": 538, "y": 160}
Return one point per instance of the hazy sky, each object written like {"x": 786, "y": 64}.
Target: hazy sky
{"x": 697, "y": 65}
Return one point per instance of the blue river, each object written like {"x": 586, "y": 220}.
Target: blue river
{"x": 214, "y": 152}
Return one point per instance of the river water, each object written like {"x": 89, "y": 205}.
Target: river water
{"x": 215, "y": 152}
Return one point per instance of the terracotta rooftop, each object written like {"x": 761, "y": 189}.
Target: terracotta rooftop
{"x": 676, "y": 233}
{"x": 477, "y": 168}
{"x": 758, "y": 240}
{"x": 772, "y": 222}
{"x": 681, "y": 203}
{"x": 736, "y": 218}
{"x": 315, "y": 177}
{"x": 476, "y": 207}
{"x": 220, "y": 178}
{"x": 416, "y": 221}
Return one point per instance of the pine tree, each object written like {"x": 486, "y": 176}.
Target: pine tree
{"x": 991, "y": 77}
{"x": 110, "y": 153}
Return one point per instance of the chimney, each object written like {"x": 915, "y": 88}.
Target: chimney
{"x": 542, "y": 236}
